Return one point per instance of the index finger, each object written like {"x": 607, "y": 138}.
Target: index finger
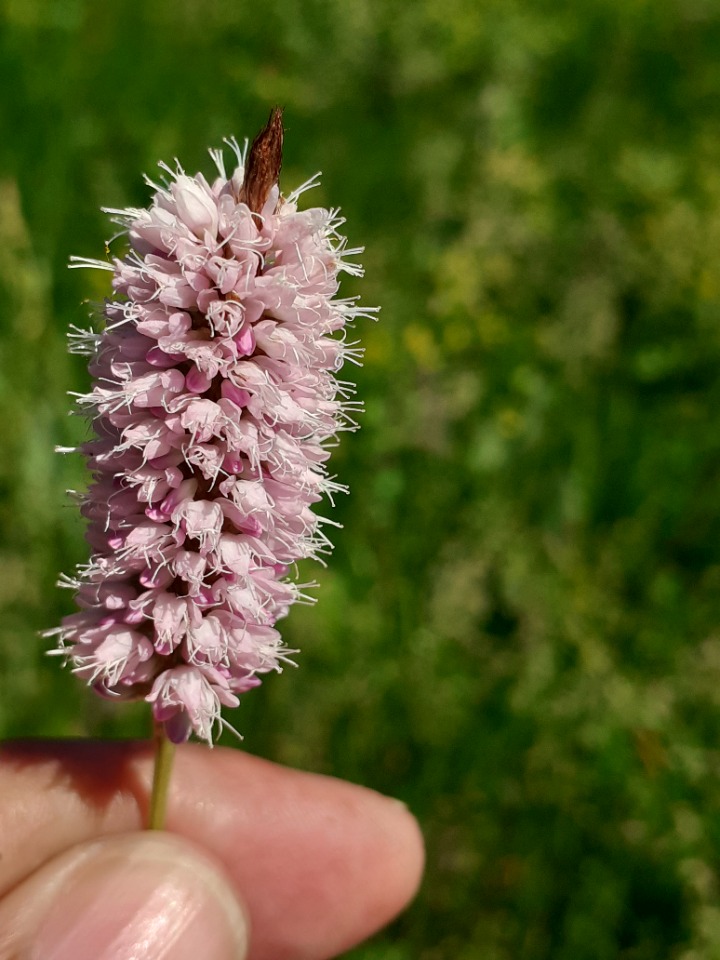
{"x": 320, "y": 863}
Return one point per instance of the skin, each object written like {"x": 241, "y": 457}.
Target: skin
{"x": 317, "y": 864}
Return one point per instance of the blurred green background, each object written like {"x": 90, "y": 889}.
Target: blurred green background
{"x": 519, "y": 632}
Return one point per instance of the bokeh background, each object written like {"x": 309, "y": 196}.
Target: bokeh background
{"x": 519, "y": 632}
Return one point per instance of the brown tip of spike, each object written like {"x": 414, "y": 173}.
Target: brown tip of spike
{"x": 262, "y": 169}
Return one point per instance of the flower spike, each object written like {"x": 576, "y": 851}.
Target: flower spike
{"x": 213, "y": 406}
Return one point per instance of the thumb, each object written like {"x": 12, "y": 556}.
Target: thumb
{"x": 136, "y": 896}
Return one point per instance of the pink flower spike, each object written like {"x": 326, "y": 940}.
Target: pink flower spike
{"x": 214, "y": 406}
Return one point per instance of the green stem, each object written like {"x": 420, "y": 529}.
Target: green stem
{"x": 164, "y": 755}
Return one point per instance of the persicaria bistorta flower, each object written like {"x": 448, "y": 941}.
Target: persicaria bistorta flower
{"x": 214, "y": 399}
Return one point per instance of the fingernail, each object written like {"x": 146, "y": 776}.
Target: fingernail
{"x": 151, "y": 901}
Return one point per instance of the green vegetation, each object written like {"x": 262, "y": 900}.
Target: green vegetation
{"x": 519, "y": 633}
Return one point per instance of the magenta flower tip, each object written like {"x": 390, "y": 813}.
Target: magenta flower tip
{"x": 214, "y": 399}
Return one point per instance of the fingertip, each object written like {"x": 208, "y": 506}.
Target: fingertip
{"x": 393, "y": 857}
{"x": 343, "y": 860}
{"x": 406, "y": 846}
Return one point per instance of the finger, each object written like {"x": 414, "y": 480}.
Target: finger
{"x": 320, "y": 863}
{"x": 142, "y": 895}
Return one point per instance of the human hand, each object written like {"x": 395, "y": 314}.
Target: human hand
{"x": 259, "y": 861}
